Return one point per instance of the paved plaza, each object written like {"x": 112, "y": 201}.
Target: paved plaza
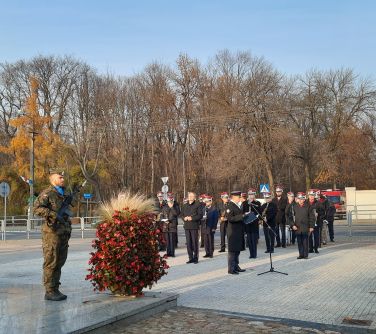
{"x": 337, "y": 284}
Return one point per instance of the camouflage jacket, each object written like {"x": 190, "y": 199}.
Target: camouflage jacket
{"x": 47, "y": 205}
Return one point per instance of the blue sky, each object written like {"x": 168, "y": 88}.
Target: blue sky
{"x": 124, "y": 36}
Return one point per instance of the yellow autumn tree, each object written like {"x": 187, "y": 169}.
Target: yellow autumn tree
{"x": 31, "y": 124}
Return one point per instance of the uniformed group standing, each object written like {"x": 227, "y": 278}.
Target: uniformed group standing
{"x": 239, "y": 215}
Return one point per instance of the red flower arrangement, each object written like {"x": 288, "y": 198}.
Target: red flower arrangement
{"x": 126, "y": 257}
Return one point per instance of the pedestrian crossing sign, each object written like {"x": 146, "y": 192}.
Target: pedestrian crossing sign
{"x": 264, "y": 188}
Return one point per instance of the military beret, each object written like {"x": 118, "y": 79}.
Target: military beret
{"x": 57, "y": 171}
{"x": 267, "y": 195}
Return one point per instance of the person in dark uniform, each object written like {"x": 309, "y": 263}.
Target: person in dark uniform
{"x": 280, "y": 200}
{"x": 56, "y": 232}
{"x": 268, "y": 213}
{"x": 243, "y": 199}
{"x": 222, "y": 208}
{"x": 330, "y": 218}
{"x": 159, "y": 205}
{"x": 235, "y": 233}
{"x": 211, "y": 220}
{"x": 302, "y": 220}
{"x": 202, "y": 223}
{"x": 290, "y": 201}
{"x": 314, "y": 237}
{"x": 169, "y": 217}
{"x": 252, "y": 229}
{"x": 177, "y": 209}
{"x": 191, "y": 213}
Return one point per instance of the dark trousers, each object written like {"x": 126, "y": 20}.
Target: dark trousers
{"x": 202, "y": 234}
{"x": 223, "y": 230}
{"x": 302, "y": 244}
{"x": 252, "y": 238}
{"x": 269, "y": 238}
{"x": 282, "y": 227}
{"x": 162, "y": 241}
{"x": 293, "y": 237}
{"x": 277, "y": 236}
{"x": 170, "y": 238}
{"x": 314, "y": 238}
{"x": 331, "y": 230}
{"x": 192, "y": 244}
{"x": 233, "y": 261}
{"x": 209, "y": 242}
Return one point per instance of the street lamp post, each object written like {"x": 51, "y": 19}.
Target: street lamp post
{"x": 184, "y": 173}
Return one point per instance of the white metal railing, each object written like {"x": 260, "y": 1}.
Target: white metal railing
{"x": 370, "y": 216}
{"x": 24, "y": 225}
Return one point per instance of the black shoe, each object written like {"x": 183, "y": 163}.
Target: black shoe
{"x": 300, "y": 257}
{"x": 211, "y": 256}
{"x": 267, "y": 251}
{"x": 221, "y": 251}
{"x": 240, "y": 270}
{"x": 190, "y": 261}
{"x": 272, "y": 251}
{"x": 54, "y": 296}
{"x": 311, "y": 251}
{"x": 305, "y": 258}
{"x": 283, "y": 246}
{"x": 195, "y": 262}
{"x": 331, "y": 240}
{"x": 316, "y": 251}
{"x": 278, "y": 245}
{"x": 233, "y": 273}
{"x": 206, "y": 255}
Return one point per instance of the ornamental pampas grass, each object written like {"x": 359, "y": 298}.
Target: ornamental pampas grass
{"x": 126, "y": 257}
{"x": 137, "y": 202}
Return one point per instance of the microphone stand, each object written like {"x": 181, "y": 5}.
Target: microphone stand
{"x": 271, "y": 270}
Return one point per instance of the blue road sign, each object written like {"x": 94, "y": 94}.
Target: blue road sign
{"x": 88, "y": 196}
{"x": 264, "y": 188}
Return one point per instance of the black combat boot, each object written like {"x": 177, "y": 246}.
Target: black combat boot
{"x": 54, "y": 295}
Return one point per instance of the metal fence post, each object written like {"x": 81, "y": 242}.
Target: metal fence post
{"x": 3, "y": 227}
{"x": 349, "y": 221}
{"x": 82, "y": 221}
{"x": 28, "y": 227}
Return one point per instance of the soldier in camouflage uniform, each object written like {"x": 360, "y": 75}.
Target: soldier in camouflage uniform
{"x": 56, "y": 232}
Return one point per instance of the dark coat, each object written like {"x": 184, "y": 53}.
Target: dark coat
{"x": 172, "y": 216}
{"x": 302, "y": 217}
{"x": 318, "y": 212}
{"x": 222, "y": 209}
{"x": 211, "y": 220}
{"x": 287, "y": 213}
{"x": 270, "y": 210}
{"x": 281, "y": 207}
{"x": 195, "y": 211}
{"x": 254, "y": 207}
{"x": 235, "y": 228}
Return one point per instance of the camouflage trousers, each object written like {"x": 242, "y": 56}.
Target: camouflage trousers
{"x": 55, "y": 252}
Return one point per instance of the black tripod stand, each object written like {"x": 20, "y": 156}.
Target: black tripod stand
{"x": 271, "y": 270}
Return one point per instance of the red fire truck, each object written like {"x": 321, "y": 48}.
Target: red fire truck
{"x": 338, "y": 198}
